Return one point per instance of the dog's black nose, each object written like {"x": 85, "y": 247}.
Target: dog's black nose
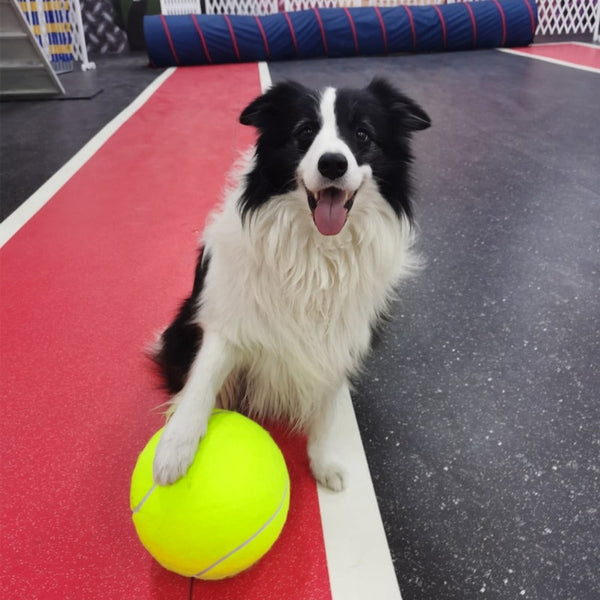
{"x": 332, "y": 165}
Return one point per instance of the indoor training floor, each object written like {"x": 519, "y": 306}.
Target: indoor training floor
{"x": 479, "y": 407}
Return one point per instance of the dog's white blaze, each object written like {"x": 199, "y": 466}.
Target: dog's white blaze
{"x": 328, "y": 114}
{"x": 328, "y": 140}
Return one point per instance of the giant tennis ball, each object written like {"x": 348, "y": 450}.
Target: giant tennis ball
{"x": 226, "y": 512}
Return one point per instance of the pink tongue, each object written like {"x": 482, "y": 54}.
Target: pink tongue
{"x": 330, "y": 214}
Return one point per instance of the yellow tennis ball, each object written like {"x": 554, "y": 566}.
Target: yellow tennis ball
{"x": 226, "y": 512}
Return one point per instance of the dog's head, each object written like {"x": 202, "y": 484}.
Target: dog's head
{"x": 331, "y": 144}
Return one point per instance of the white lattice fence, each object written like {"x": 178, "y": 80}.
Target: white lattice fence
{"x": 400, "y": 2}
{"x": 180, "y": 7}
{"x": 561, "y": 17}
{"x": 556, "y": 17}
{"x": 219, "y": 7}
{"x": 241, "y": 7}
{"x": 290, "y": 5}
{"x": 79, "y": 46}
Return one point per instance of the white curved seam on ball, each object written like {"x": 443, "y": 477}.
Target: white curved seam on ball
{"x": 143, "y": 500}
{"x": 253, "y": 536}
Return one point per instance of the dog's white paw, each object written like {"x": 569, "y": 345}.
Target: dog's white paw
{"x": 174, "y": 454}
{"x": 330, "y": 475}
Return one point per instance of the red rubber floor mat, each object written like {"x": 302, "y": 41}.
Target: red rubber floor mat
{"x": 569, "y": 54}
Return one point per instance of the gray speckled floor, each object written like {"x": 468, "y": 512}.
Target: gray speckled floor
{"x": 480, "y": 409}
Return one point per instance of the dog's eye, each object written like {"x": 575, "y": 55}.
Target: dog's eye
{"x": 305, "y": 133}
{"x": 362, "y": 136}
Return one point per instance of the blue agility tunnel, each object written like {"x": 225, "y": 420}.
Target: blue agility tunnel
{"x": 333, "y": 32}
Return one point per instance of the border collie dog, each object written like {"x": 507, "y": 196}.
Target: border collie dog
{"x": 296, "y": 268}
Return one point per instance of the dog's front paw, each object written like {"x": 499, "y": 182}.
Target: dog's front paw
{"x": 330, "y": 475}
{"x": 174, "y": 454}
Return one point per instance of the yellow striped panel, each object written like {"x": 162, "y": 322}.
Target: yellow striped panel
{"x": 61, "y": 49}
{"x": 47, "y": 5}
{"x": 53, "y": 28}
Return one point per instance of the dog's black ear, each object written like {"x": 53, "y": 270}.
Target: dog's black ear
{"x": 412, "y": 116}
{"x": 274, "y": 102}
{"x": 251, "y": 115}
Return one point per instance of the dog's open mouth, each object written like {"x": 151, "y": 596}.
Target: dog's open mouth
{"x": 330, "y": 207}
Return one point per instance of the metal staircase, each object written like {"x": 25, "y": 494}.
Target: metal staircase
{"x": 24, "y": 68}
